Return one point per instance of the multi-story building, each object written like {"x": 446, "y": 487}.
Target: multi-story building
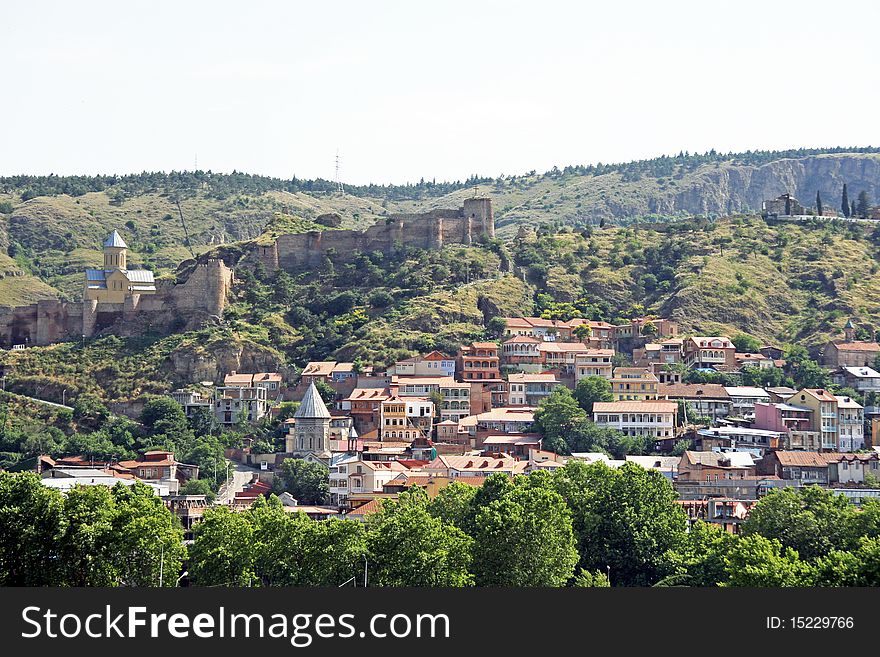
{"x": 708, "y": 400}
{"x": 271, "y": 381}
{"x": 634, "y": 383}
{"x": 406, "y": 418}
{"x": 656, "y": 354}
{"x": 744, "y": 398}
{"x": 824, "y": 418}
{"x": 529, "y": 389}
{"x": 522, "y": 352}
{"x": 595, "y": 362}
{"x": 864, "y": 379}
{"x": 480, "y": 362}
{"x": 234, "y": 404}
{"x": 646, "y": 327}
{"x": 433, "y": 364}
{"x": 638, "y": 418}
{"x": 850, "y": 425}
{"x": 714, "y": 466}
{"x": 455, "y": 396}
{"x": 703, "y": 351}
{"x": 364, "y": 404}
{"x": 192, "y": 401}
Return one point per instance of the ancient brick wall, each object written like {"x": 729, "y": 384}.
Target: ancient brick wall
{"x": 430, "y": 230}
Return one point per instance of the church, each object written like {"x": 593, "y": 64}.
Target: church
{"x": 311, "y": 429}
{"x": 116, "y": 282}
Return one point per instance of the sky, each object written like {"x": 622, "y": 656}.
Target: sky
{"x": 434, "y": 90}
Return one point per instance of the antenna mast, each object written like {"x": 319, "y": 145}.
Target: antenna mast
{"x": 339, "y": 188}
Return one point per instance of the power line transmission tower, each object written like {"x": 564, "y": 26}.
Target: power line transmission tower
{"x": 339, "y": 188}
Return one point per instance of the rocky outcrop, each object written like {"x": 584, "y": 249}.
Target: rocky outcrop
{"x": 728, "y": 189}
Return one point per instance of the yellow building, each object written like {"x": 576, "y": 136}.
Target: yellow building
{"x": 115, "y": 282}
{"x": 633, "y": 384}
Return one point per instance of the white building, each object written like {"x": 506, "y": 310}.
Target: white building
{"x": 850, "y": 425}
{"x": 638, "y": 418}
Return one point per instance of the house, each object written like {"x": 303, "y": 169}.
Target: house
{"x": 474, "y": 466}
{"x": 455, "y": 396}
{"x": 791, "y": 420}
{"x": 727, "y": 513}
{"x": 521, "y": 352}
{"x": 594, "y": 362}
{"x": 779, "y": 394}
{"x": 864, "y": 379}
{"x": 371, "y": 476}
{"x": 703, "y": 351}
{"x": 563, "y": 356}
{"x": 784, "y": 205}
{"x": 665, "y": 465}
{"x": 479, "y": 361}
{"x": 744, "y": 398}
{"x": 364, "y": 404}
{"x": 115, "y": 282}
{"x": 824, "y": 417}
{"x": 405, "y": 418}
{"x": 192, "y": 401}
{"x": 545, "y": 329}
{"x": 317, "y": 370}
{"x": 598, "y": 335}
{"x": 704, "y": 399}
{"x": 850, "y": 425}
{"x": 646, "y": 326}
{"x": 633, "y": 383}
{"x": 529, "y": 389}
{"x": 234, "y": 404}
{"x": 850, "y": 352}
{"x": 733, "y": 438}
{"x": 517, "y": 445}
{"x": 638, "y": 418}
{"x": 271, "y": 381}
{"x": 656, "y": 354}
{"x": 852, "y": 468}
{"x": 64, "y": 479}
{"x": 712, "y": 466}
{"x": 434, "y": 363}
{"x": 804, "y": 467}
{"x": 506, "y": 420}
{"x": 758, "y": 361}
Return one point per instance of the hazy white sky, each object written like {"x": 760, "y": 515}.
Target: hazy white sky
{"x": 414, "y": 89}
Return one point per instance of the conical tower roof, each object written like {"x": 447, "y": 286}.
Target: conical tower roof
{"x": 849, "y": 324}
{"x": 115, "y": 240}
{"x": 312, "y": 406}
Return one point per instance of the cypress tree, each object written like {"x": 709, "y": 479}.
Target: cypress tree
{"x": 818, "y": 204}
{"x": 852, "y": 210}
{"x": 863, "y": 204}
{"x": 844, "y": 203}
{"x": 787, "y": 205}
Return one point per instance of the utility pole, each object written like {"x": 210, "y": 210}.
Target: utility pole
{"x": 339, "y": 189}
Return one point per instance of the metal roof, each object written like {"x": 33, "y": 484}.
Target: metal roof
{"x": 312, "y": 406}
{"x": 115, "y": 241}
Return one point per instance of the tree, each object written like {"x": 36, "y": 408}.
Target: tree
{"x": 198, "y": 487}
{"x": 308, "y": 482}
{"x": 746, "y": 343}
{"x": 700, "y": 559}
{"x": 453, "y": 504}
{"x": 863, "y": 204}
{"x": 626, "y": 520}
{"x": 525, "y": 539}
{"x": 496, "y": 327}
{"x": 326, "y": 391}
{"x": 407, "y": 546}
{"x": 557, "y": 413}
{"x": 819, "y": 208}
{"x": 163, "y": 415}
{"x": 812, "y": 521}
{"x": 592, "y": 389}
{"x": 858, "y": 568}
{"x": 202, "y": 421}
{"x": 89, "y": 412}
{"x": 844, "y": 202}
{"x": 583, "y": 332}
{"x": 222, "y": 553}
{"x": 755, "y": 561}
{"x": 852, "y": 210}
{"x": 586, "y": 579}
{"x": 31, "y": 530}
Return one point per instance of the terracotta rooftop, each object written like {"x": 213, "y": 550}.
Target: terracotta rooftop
{"x": 653, "y": 406}
{"x": 693, "y": 390}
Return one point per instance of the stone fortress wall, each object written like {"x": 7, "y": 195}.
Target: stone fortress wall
{"x": 203, "y": 295}
{"x": 173, "y": 307}
{"x": 429, "y": 230}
